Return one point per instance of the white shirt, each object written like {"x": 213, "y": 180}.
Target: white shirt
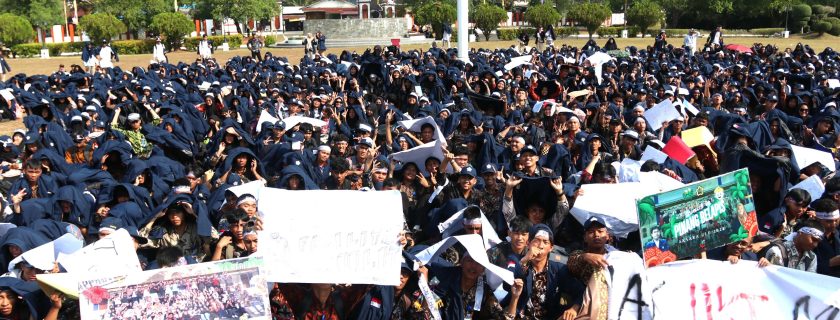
{"x": 159, "y": 50}
{"x": 690, "y": 40}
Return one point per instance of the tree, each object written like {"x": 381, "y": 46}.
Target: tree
{"x": 241, "y": 11}
{"x": 542, "y": 15}
{"x": 173, "y": 26}
{"x": 436, "y": 13}
{"x": 40, "y": 13}
{"x": 821, "y": 27}
{"x": 14, "y": 29}
{"x": 487, "y": 17}
{"x": 136, "y": 15}
{"x": 101, "y": 26}
{"x": 644, "y": 14}
{"x": 675, "y": 9}
{"x": 590, "y": 15}
{"x": 800, "y": 15}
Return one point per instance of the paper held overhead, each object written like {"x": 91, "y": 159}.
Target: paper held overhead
{"x": 677, "y": 150}
{"x": 805, "y": 157}
{"x": 813, "y": 185}
{"x": 661, "y": 112}
{"x": 517, "y": 61}
{"x": 579, "y": 93}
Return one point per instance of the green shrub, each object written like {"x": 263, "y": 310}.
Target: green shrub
{"x": 604, "y": 32}
{"x": 26, "y": 50}
{"x": 508, "y": 34}
{"x": 269, "y": 40}
{"x": 821, "y": 27}
{"x": 234, "y": 41}
{"x": 766, "y": 31}
{"x": 835, "y": 25}
{"x": 56, "y": 49}
{"x": 133, "y": 46}
{"x": 634, "y": 31}
{"x": 565, "y": 32}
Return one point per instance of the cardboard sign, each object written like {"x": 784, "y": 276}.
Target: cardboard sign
{"x": 677, "y": 150}
{"x": 331, "y": 236}
{"x": 701, "y": 216}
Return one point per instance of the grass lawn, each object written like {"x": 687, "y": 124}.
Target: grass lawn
{"x": 47, "y": 66}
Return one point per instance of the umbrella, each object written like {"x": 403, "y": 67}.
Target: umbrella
{"x": 738, "y": 48}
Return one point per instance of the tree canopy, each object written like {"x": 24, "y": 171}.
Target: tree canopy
{"x": 590, "y": 15}
{"x": 542, "y": 15}
{"x": 644, "y": 14}
{"x": 14, "y": 29}
{"x": 487, "y": 17}
{"x": 136, "y": 15}
{"x": 172, "y": 26}
{"x": 101, "y": 26}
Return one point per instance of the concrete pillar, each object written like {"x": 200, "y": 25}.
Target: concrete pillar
{"x": 463, "y": 30}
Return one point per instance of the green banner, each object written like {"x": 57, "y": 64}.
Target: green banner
{"x": 701, "y": 216}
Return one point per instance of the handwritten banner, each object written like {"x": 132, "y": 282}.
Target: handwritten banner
{"x": 701, "y": 216}
{"x": 709, "y": 289}
{"x": 228, "y": 289}
{"x": 321, "y": 236}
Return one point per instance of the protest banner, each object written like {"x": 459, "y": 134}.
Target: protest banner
{"x": 228, "y": 289}
{"x": 710, "y": 289}
{"x": 113, "y": 255}
{"x": 697, "y": 217}
{"x": 351, "y": 238}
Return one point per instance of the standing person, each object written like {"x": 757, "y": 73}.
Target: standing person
{"x": 307, "y": 45}
{"x": 661, "y": 41}
{"x": 4, "y": 66}
{"x": 539, "y": 39}
{"x": 205, "y": 49}
{"x": 715, "y": 41}
{"x": 447, "y": 34}
{"x": 690, "y": 42}
{"x": 254, "y": 44}
{"x": 159, "y": 52}
{"x": 322, "y": 42}
{"x": 89, "y": 53}
{"x": 549, "y": 36}
{"x": 544, "y": 289}
{"x": 107, "y": 55}
{"x": 596, "y": 265}
{"x": 524, "y": 39}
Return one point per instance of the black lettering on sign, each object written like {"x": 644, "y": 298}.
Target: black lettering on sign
{"x": 635, "y": 282}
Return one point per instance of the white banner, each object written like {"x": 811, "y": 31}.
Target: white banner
{"x": 320, "y": 236}
{"x": 620, "y": 212}
{"x": 709, "y": 289}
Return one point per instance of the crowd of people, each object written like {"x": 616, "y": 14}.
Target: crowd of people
{"x": 156, "y": 150}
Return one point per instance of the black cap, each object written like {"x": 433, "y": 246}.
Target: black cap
{"x": 592, "y": 222}
{"x": 468, "y": 171}
{"x": 528, "y": 148}
{"x": 132, "y": 231}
